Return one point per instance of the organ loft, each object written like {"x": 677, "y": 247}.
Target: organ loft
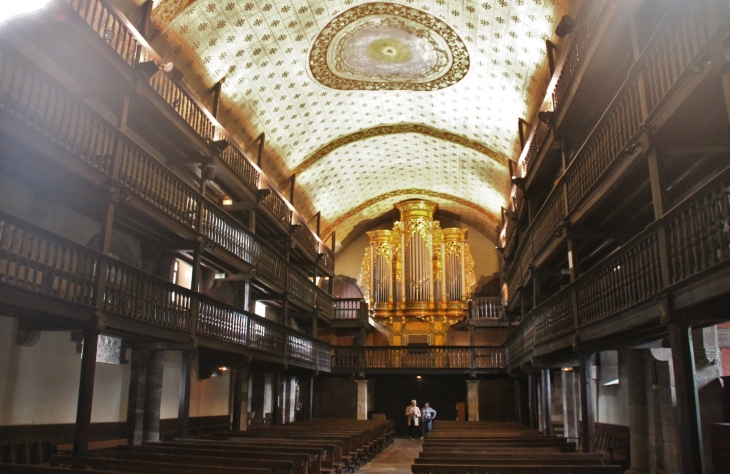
{"x": 418, "y": 277}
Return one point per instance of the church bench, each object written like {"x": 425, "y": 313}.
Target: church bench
{"x": 24, "y": 469}
{"x": 527, "y": 456}
{"x": 513, "y": 469}
{"x": 330, "y": 457}
{"x": 314, "y": 455}
{"x": 26, "y": 450}
{"x": 510, "y": 461}
{"x": 508, "y": 449}
{"x": 276, "y": 466}
{"x": 613, "y": 441}
{"x": 300, "y": 461}
{"x": 131, "y": 466}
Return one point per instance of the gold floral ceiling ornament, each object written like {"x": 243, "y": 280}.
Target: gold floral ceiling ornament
{"x": 386, "y": 46}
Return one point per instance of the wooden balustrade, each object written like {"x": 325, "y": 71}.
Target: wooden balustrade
{"x": 673, "y": 49}
{"x": 225, "y": 232}
{"x": 698, "y": 230}
{"x": 555, "y": 318}
{"x": 533, "y": 147}
{"x": 349, "y": 309}
{"x": 548, "y": 222}
{"x": 40, "y": 262}
{"x": 591, "y": 13}
{"x": 186, "y": 107}
{"x": 108, "y": 22}
{"x": 112, "y": 27}
{"x": 325, "y": 304}
{"x": 304, "y": 235}
{"x": 328, "y": 258}
{"x": 301, "y": 289}
{"x": 419, "y": 357}
{"x": 33, "y": 260}
{"x": 487, "y": 308}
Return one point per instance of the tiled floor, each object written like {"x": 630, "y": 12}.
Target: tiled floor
{"x": 395, "y": 459}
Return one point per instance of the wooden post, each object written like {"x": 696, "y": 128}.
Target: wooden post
{"x": 136, "y": 399}
{"x": 292, "y": 183}
{"x": 551, "y": 54}
{"x": 518, "y": 400}
{"x": 319, "y": 223}
{"x": 86, "y": 392}
{"x": 688, "y": 408}
{"x": 217, "y": 89}
{"x": 547, "y": 403}
{"x": 183, "y": 410}
{"x": 240, "y": 398}
{"x": 588, "y": 416}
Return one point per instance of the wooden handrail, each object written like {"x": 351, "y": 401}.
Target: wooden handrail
{"x": 418, "y": 357}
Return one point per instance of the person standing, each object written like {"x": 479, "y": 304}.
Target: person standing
{"x": 428, "y": 414}
{"x": 414, "y": 416}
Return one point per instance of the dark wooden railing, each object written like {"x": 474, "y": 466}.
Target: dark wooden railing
{"x": 697, "y": 241}
{"x": 425, "y": 357}
{"x": 325, "y": 304}
{"x": 123, "y": 38}
{"x": 487, "y": 307}
{"x": 590, "y": 16}
{"x": 685, "y": 33}
{"x": 43, "y": 263}
{"x": 350, "y": 309}
{"x": 37, "y": 101}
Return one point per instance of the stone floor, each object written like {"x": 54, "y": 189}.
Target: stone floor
{"x": 395, "y": 459}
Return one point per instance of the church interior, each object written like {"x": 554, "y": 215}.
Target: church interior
{"x": 243, "y": 235}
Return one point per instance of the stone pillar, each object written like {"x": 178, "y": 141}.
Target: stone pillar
{"x": 258, "y": 396}
{"x": 362, "y": 399}
{"x": 571, "y": 403}
{"x": 587, "y": 403}
{"x": 547, "y": 403}
{"x": 136, "y": 399}
{"x": 153, "y": 396}
{"x": 538, "y": 393}
{"x": 86, "y": 392}
{"x": 532, "y": 401}
{"x": 472, "y": 400}
{"x": 277, "y": 394}
{"x": 710, "y": 390}
{"x": 240, "y": 399}
{"x": 688, "y": 409}
{"x": 290, "y": 395}
{"x": 638, "y": 411}
{"x": 183, "y": 409}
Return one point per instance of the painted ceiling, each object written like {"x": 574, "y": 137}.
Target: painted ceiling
{"x": 372, "y": 103}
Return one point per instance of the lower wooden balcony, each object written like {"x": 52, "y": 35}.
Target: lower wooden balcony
{"x": 51, "y": 283}
{"x": 418, "y": 359}
{"x": 680, "y": 264}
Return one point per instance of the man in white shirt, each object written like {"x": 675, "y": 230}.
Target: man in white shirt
{"x": 414, "y": 416}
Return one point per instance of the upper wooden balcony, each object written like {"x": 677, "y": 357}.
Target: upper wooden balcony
{"x": 43, "y": 115}
{"x": 672, "y": 59}
{"x": 55, "y": 283}
{"x": 111, "y": 61}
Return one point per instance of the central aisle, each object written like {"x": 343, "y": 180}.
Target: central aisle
{"x": 395, "y": 459}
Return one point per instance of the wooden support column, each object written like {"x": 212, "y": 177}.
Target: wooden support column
{"x": 588, "y": 415}
{"x": 278, "y": 399}
{"x": 258, "y": 396}
{"x": 153, "y": 396}
{"x": 252, "y": 220}
{"x": 688, "y": 408}
{"x": 292, "y": 183}
{"x": 183, "y": 409}
{"x": 217, "y": 89}
{"x": 518, "y": 400}
{"x": 86, "y": 392}
{"x": 547, "y": 403}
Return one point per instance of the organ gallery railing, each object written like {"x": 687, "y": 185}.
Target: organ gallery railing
{"x": 350, "y": 309}
{"x": 487, "y": 307}
{"x": 31, "y": 97}
{"x": 680, "y": 43}
{"x": 122, "y": 37}
{"x": 418, "y": 357}
{"x": 43, "y": 263}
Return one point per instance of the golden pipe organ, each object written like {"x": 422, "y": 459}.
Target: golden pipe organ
{"x": 418, "y": 277}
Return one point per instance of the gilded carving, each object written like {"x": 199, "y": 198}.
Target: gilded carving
{"x": 365, "y": 274}
{"x": 471, "y": 278}
{"x": 454, "y": 248}
{"x": 384, "y": 250}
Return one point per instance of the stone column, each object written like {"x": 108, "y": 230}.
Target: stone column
{"x": 290, "y": 395}
{"x": 638, "y": 411}
{"x": 472, "y": 400}
{"x": 135, "y": 402}
{"x": 571, "y": 403}
{"x": 240, "y": 399}
{"x": 547, "y": 403}
{"x": 258, "y": 396}
{"x": 362, "y": 399}
{"x": 153, "y": 396}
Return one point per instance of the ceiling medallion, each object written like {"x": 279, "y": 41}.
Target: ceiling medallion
{"x": 384, "y": 46}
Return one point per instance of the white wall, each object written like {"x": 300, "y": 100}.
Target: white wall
{"x": 39, "y": 384}
{"x": 613, "y": 400}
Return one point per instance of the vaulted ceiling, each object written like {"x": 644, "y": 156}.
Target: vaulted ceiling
{"x": 372, "y": 103}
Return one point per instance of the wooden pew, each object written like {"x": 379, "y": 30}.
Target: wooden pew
{"x": 130, "y": 466}
{"x": 276, "y": 466}
{"x": 513, "y": 469}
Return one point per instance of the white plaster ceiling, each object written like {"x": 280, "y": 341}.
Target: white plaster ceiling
{"x": 468, "y": 130}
